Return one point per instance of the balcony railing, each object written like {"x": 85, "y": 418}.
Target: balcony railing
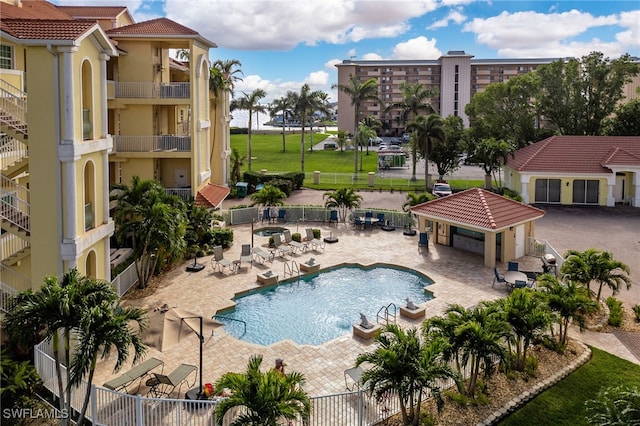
{"x": 163, "y": 143}
{"x": 153, "y": 90}
{"x": 183, "y": 193}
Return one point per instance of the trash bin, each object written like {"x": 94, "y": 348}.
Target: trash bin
{"x": 241, "y": 189}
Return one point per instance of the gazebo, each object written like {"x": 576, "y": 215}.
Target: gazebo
{"x": 479, "y": 221}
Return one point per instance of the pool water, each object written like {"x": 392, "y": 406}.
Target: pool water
{"x": 269, "y": 231}
{"x": 323, "y": 306}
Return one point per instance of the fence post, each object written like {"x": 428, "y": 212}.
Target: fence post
{"x": 139, "y": 416}
{"x": 360, "y": 407}
{"x": 316, "y": 177}
{"x": 94, "y": 404}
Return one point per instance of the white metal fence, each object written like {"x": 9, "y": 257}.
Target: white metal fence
{"x": 125, "y": 280}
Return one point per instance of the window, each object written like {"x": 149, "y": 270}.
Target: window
{"x": 585, "y": 191}
{"x": 6, "y": 57}
{"x": 547, "y": 191}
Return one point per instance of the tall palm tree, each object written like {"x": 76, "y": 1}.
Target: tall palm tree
{"x": 570, "y": 301}
{"x": 428, "y": 130}
{"x": 416, "y": 99}
{"x": 237, "y": 161}
{"x": 104, "y": 327}
{"x": 596, "y": 265}
{"x": 306, "y": 103}
{"x": 154, "y": 221}
{"x": 359, "y": 92}
{"x": 344, "y": 199}
{"x": 223, "y": 76}
{"x": 403, "y": 364}
{"x": 265, "y": 398}
{"x": 285, "y": 106}
{"x": 374, "y": 125}
{"x": 251, "y": 103}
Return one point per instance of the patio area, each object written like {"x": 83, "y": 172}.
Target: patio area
{"x": 458, "y": 277}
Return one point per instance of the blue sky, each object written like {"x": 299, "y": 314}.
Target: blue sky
{"x": 283, "y": 44}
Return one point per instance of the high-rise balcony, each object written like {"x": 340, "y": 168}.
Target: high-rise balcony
{"x": 162, "y": 143}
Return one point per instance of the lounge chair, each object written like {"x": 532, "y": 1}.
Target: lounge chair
{"x": 333, "y": 216}
{"x": 245, "y": 255}
{"x": 497, "y": 277}
{"x": 282, "y": 249}
{"x": 260, "y": 255}
{"x": 355, "y": 374}
{"x": 311, "y": 239}
{"x": 137, "y": 373}
{"x": 164, "y": 386}
{"x": 293, "y": 243}
{"x": 218, "y": 260}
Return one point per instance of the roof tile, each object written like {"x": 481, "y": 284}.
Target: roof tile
{"x": 479, "y": 208}
{"x": 46, "y": 29}
{"x": 212, "y": 195}
{"x": 32, "y": 9}
{"x": 160, "y": 26}
{"x": 93, "y": 11}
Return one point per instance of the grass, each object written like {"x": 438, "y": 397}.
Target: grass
{"x": 563, "y": 404}
{"x": 336, "y": 167}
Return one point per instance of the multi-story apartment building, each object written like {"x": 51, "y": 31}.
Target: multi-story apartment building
{"x": 455, "y": 77}
{"x": 90, "y": 98}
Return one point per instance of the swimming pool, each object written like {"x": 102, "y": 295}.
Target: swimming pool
{"x": 269, "y": 231}
{"x": 322, "y": 306}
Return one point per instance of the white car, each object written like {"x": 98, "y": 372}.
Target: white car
{"x": 394, "y": 148}
{"x": 441, "y": 189}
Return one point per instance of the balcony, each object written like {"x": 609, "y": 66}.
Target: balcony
{"x": 146, "y": 90}
{"x": 163, "y": 143}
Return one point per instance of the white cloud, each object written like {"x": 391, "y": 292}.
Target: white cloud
{"x": 352, "y": 53}
{"x": 631, "y": 21}
{"x": 523, "y": 30}
{"x": 453, "y": 16}
{"x": 331, "y": 64}
{"x": 282, "y": 25}
{"x": 371, "y": 57}
{"x": 417, "y": 48}
{"x": 317, "y": 80}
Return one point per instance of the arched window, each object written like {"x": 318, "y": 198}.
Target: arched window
{"x": 89, "y": 196}
{"x": 90, "y": 266}
{"x": 87, "y": 101}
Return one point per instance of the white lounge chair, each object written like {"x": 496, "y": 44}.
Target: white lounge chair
{"x": 293, "y": 243}
{"x": 218, "y": 261}
{"x": 260, "y": 255}
{"x": 282, "y": 249}
{"x": 311, "y": 239}
{"x": 245, "y": 255}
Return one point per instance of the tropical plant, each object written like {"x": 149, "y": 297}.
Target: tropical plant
{"x": 223, "y": 76}
{"x": 599, "y": 266}
{"x": 237, "y": 161}
{"x": 404, "y": 365}
{"x": 199, "y": 221}
{"x": 265, "y": 398}
{"x": 341, "y": 137}
{"x": 416, "y": 99}
{"x": 18, "y": 380}
{"x": 285, "y": 105}
{"x": 529, "y": 316}
{"x": 251, "y": 103}
{"x": 55, "y": 311}
{"x": 492, "y": 153}
{"x": 154, "y": 221}
{"x": 343, "y": 199}
{"x": 570, "y": 301}
{"x": 413, "y": 199}
{"x": 305, "y": 103}
{"x": 428, "y": 130}
{"x": 359, "y": 92}
{"x": 445, "y": 154}
{"x": 615, "y": 405}
{"x": 269, "y": 195}
{"x": 616, "y": 311}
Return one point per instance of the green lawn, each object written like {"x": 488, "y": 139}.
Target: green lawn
{"x": 336, "y": 168}
{"x": 563, "y": 404}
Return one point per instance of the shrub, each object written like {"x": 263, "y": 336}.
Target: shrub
{"x": 511, "y": 194}
{"x": 19, "y": 380}
{"x": 296, "y": 236}
{"x": 221, "y": 237}
{"x": 316, "y": 233}
{"x": 531, "y": 366}
{"x": 615, "y": 311}
{"x": 636, "y": 311}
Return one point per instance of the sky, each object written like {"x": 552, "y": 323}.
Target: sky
{"x": 283, "y": 44}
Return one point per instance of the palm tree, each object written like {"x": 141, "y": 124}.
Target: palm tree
{"x": 570, "y": 301}
{"x": 269, "y": 195}
{"x": 223, "y": 76}
{"x": 237, "y": 161}
{"x": 596, "y": 265}
{"x": 154, "y": 221}
{"x": 359, "y": 92}
{"x": 341, "y": 137}
{"x": 413, "y": 199}
{"x": 264, "y": 398}
{"x": 373, "y": 126}
{"x": 284, "y": 105}
{"x": 344, "y": 199}
{"x": 428, "y": 130}
{"x": 401, "y": 363}
{"x": 251, "y": 103}
{"x": 104, "y": 327}
{"x": 306, "y": 102}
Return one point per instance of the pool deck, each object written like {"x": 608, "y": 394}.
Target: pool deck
{"x": 459, "y": 277}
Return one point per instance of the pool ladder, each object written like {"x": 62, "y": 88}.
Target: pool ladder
{"x": 290, "y": 269}
{"x": 244, "y": 324}
{"x": 385, "y": 313}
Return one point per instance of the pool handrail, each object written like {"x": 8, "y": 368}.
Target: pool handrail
{"x": 244, "y": 323}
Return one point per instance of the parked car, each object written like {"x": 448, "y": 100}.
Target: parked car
{"x": 375, "y": 141}
{"x": 394, "y": 148}
{"x": 441, "y": 189}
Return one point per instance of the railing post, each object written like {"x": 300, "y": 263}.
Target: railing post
{"x": 139, "y": 416}
{"x": 94, "y": 404}
{"x": 360, "y": 407}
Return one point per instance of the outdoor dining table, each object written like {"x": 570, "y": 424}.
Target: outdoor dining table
{"x": 512, "y": 276}
{"x": 369, "y": 220}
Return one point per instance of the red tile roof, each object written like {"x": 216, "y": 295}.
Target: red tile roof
{"x": 154, "y": 27}
{"x": 212, "y": 195}
{"x": 479, "y": 208}
{"x": 43, "y": 29}
{"x": 97, "y": 12}
{"x": 577, "y": 154}
{"x": 32, "y": 9}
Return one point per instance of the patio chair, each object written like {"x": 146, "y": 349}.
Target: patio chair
{"x": 355, "y": 376}
{"x": 357, "y": 222}
{"x": 265, "y": 215}
{"x": 164, "y": 385}
{"x": 380, "y": 221}
{"x": 368, "y": 214}
{"x": 282, "y": 216}
{"x": 282, "y": 249}
{"x": 245, "y": 255}
{"x": 311, "y": 239}
{"x": 512, "y": 266}
{"x": 520, "y": 284}
{"x": 260, "y": 255}
{"x": 293, "y": 243}
{"x": 333, "y": 216}
{"x": 497, "y": 277}
{"x": 218, "y": 260}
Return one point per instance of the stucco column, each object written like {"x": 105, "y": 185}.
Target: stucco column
{"x": 489, "y": 249}
{"x": 103, "y": 94}
{"x": 68, "y": 94}
{"x": 69, "y": 199}
{"x": 635, "y": 199}
{"x": 525, "y": 192}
